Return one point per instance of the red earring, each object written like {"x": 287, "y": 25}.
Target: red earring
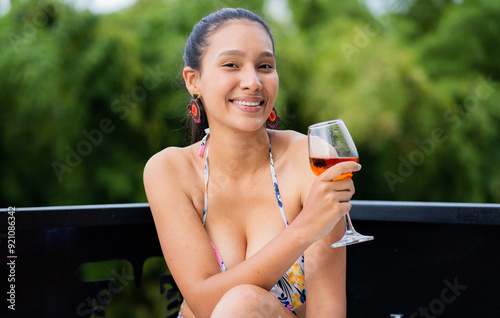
{"x": 194, "y": 109}
{"x": 273, "y": 120}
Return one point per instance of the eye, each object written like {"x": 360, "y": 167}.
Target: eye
{"x": 229, "y": 65}
{"x": 266, "y": 66}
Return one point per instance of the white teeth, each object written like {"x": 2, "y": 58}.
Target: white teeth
{"x": 246, "y": 103}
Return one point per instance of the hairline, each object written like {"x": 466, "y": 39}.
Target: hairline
{"x": 215, "y": 28}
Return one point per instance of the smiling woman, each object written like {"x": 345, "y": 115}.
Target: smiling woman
{"x": 238, "y": 67}
{"x": 246, "y": 257}
{"x": 226, "y": 58}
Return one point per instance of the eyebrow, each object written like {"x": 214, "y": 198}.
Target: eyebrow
{"x": 242, "y": 54}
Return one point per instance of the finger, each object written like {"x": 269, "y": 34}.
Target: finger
{"x": 338, "y": 169}
{"x": 343, "y": 193}
{"x": 344, "y": 207}
{"x": 342, "y": 185}
{"x": 344, "y": 196}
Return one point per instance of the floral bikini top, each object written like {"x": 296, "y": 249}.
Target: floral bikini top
{"x": 290, "y": 289}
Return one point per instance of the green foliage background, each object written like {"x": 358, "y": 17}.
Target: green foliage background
{"x": 86, "y": 99}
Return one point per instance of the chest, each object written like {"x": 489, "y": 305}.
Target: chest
{"x": 244, "y": 215}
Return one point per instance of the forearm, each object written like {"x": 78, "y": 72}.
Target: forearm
{"x": 326, "y": 276}
{"x": 263, "y": 269}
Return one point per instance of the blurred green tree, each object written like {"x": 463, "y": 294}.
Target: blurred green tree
{"x": 89, "y": 98}
{"x": 86, "y": 99}
{"x": 416, "y": 123}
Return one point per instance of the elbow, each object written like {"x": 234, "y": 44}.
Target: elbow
{"x": 199, "y": 302}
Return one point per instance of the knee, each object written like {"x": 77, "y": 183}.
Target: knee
{"x": 241, "y": 301}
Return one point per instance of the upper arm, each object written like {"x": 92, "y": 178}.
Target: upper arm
{"x": 300, "y": 154}
{"x": 325, "y": 267}
{"x": 184, "y": 241}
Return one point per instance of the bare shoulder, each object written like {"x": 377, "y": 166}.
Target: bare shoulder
{"x": 288, "y": 138}
{"x": 171, "y": 173}
{"x": 292, "y": 145}
{"x": 167, "y": 160}
{"x": 293, "y": 161}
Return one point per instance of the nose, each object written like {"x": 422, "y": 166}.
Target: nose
{"x": 250, "y": 79}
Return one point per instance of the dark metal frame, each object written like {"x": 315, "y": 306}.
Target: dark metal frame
{"x": 420, "y": 250}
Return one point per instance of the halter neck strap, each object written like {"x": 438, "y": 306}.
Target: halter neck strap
{"x": 205, "y": 179}
{"x": 203, "y": 143}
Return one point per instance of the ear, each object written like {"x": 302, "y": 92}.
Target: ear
{"x": 191, "y": 78}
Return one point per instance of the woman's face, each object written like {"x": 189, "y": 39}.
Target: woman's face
{"x": 238, "y": 80}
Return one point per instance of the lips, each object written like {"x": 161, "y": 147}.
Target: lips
{"x": 248, "y": 105}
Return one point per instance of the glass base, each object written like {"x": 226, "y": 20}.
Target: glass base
{"x": 352, "y": 238}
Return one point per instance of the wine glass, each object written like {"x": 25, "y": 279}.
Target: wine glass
{"x": 330, "y": 143}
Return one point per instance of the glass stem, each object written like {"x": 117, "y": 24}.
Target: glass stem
{"x": 348, "y": 224}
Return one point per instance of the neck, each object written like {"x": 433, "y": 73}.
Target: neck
{"x": 238, "y": 153}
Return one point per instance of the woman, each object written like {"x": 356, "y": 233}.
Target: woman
{"x": 234, "y": 241}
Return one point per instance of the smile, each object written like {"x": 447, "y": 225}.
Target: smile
{"x": 246, "y": 103}
{"x": 248, "y": 106}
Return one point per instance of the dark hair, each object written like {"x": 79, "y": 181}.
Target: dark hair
{"x": 198, "y": 41}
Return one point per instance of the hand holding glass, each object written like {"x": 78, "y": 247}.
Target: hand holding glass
{"x": 330, "y": 143}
